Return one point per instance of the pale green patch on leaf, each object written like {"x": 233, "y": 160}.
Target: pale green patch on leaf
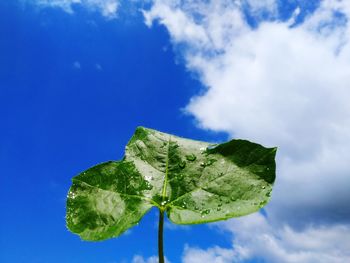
{"x": 192, "y": 181}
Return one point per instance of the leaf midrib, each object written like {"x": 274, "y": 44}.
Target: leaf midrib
{"x": 166, "y": 174}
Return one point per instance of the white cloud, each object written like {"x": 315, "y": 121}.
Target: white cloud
{"x": 107, "y": 8}
{"x": 182, "y": 27}
{"x": 153, "y": 259}
{"x": 259, "y": 7}
{"x": 253, "y": 235}
{"x": 201, "y": 25}
{"x": 140, "y": 259}
{"x": 280, "y": 85}
{"x": 213, "y": 255}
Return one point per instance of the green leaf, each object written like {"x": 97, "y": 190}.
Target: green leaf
{"x": 193, "y": 181}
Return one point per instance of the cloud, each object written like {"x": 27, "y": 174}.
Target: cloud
{"x": 107, "y": 8}
{"x": 213, "y": 255}
{"x": 282, "y": 83}
{"x": 259, "y": 8}
{"x": 140, "y": 259}
{"x": 153, "y": 259}
{"x": 278, "y": 85}
{"x": 253, "y": 236}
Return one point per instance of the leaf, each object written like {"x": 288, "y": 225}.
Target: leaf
{"x": 193, "y": 181}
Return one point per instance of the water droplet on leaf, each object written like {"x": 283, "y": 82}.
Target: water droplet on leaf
{"x": 175, "y": 146}
{"x": 209, "y": 162}
{"x": 191, "y": 157}
{"x": 205, "y": 212}
{"x": 182, "y": 164}
{"x": 179, "y": 177}
{"x": 212, "y": 146}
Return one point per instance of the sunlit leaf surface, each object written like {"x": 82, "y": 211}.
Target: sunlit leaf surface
{"x": 193, "y": 181}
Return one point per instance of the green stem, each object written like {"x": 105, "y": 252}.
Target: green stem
{"x": 160, "y": 236}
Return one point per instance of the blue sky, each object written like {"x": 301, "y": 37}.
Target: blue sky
{"x": 59, "y": 119}
{"x": 77, "y": 79}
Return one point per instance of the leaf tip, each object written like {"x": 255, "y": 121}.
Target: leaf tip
{"x": 274, "y": 150}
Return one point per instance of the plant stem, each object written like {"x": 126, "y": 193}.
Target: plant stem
{"x": 160, "y": 236}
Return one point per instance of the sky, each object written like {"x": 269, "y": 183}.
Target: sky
{"x": 78, "y": 76}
